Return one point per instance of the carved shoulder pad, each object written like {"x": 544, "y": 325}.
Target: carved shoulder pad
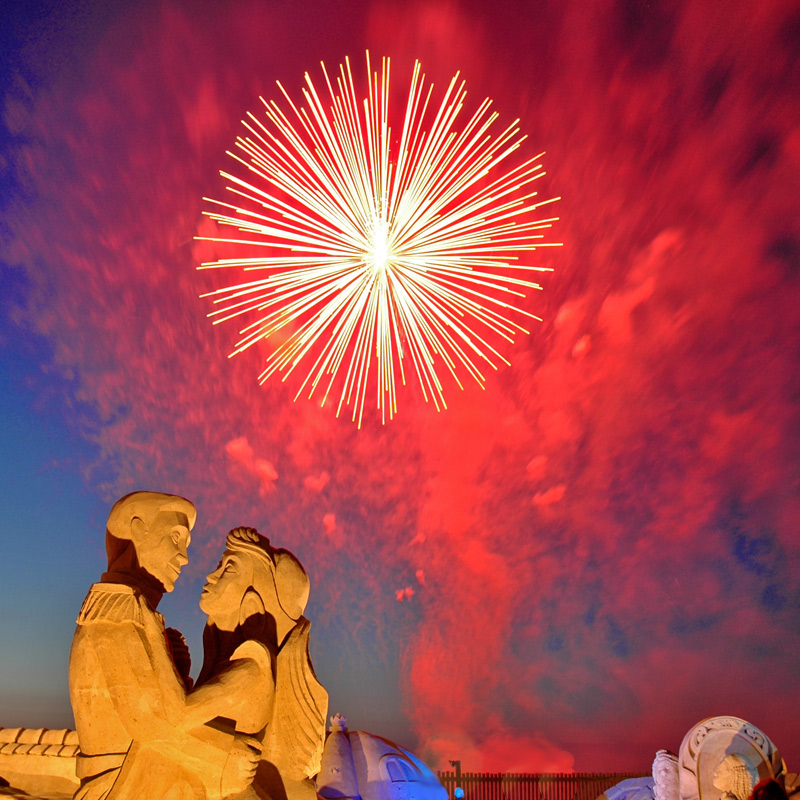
{"x": 107, "y": 602}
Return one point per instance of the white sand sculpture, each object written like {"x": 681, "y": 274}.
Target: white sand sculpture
{"x": 360, "y": 766}
{"x": 665, "y": 776}
{"x": 724, "y": 757}
{"x": 720, "y": 758}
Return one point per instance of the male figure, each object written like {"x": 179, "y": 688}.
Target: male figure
{"x": 129, "y": 700}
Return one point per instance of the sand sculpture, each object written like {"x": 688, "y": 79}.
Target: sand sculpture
{"x": 254, "y": 724}
{"x": 360, "y": 766}
{"x": 252, "y": 727}
{"x": 724, "y": 757}
{"x": 665, "y": 776}
{"x": 720, "y": 758}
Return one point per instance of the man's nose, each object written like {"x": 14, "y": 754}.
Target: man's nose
{"x": 183, "y": 557}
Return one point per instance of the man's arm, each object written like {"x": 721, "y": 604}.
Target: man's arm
{"x": 120, "y": 651}
{"x": 149, "y": 698}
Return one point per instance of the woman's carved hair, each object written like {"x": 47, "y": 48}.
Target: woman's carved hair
{"x": 739, "y": 776}
{"x": 274, "y": 570}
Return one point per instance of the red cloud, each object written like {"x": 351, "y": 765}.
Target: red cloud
{"x": 404, "y": 594}
{"x": 549, "y": 496}
{"x": 316, "y": 483}
{"x": 241, "y": 452}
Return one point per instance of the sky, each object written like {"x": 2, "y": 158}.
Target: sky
{"x": 565, "y": 570}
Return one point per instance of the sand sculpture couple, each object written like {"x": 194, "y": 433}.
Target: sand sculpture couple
{"x": 252, "y": 727}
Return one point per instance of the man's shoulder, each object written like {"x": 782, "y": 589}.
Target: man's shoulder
{"x": 111, "y": 602}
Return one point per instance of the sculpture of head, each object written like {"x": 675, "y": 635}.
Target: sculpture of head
{"x": 255, "y": 579}
{"x": 666, "y": 783}
{"x": 735, "y": 775}
{"x": 150, "y": 531}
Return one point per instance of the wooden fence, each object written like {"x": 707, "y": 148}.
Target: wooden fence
{"x": 534, "y": 786}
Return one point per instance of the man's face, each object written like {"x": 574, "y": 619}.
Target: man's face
{"x": 162, "y": 549}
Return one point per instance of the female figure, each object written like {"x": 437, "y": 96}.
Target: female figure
{"x": 256, "y": 672}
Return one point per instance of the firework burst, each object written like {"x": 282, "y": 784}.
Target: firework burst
{"x": 385, "y": 253}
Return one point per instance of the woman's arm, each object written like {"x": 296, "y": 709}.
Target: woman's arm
{"x": 246, "y": 686}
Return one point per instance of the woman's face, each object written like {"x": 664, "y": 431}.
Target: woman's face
{"x": 725, "y": 773}
{"x": 222, "y": 595}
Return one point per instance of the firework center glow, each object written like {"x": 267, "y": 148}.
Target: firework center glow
{"x": 380, "y": 252}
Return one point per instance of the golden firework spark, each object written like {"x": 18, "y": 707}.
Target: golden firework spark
{"x": 383, "y": 251}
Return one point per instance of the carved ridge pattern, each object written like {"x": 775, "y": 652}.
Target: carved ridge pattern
{"x": 61, "y": 743}
{"x": 756, "y": 736}
{"x": 109, "y": 605}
